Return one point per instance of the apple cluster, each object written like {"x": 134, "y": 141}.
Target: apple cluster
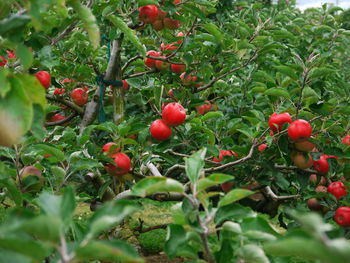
{"x": 10, "y": 55}
{"x": 299, "y": 131}
{"x": 173, "y": 115}
{"x": 159, "y": 19}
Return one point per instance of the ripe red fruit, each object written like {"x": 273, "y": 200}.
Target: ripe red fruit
{"x": 79, "y": 96}
{"x": 321, "y": 165}
{"x": 149, "y": 62}
{"x": 314, "y": 180}
{"x": 313, "y": 204}
{"x": 177, "y": 2}
{"x": 171, "y": 46}
{"x": 162, "y": 65}
{"x": 3, "y": 61}
{"x": 227, "y": 186}
{"x": 276, "y": 121}
{"x": 187, "y": 80}
{"x": 66, "y": 80}
{"x": 180, "y": 34}
{"x": 121, "y": 165}
{"x": 148, "y": 13}
{"x": 224, "y": 153}
{"x": 158, "y": 25}
{"x": 203, "y": 109}
{"x": 301, "y": 161}
{"x": 58, "y": 117}
{"x": 125, "y": 85}
{"x": 174, "y": 114}
{"x": 299, "y": 130}
{"x": 321, "y": 189}
{"x": 346, "y": 139}
{"x": 178, "y": 68}
{"x": 110, "y": 148}
{"x": 59, "y": 91}
{"x": 44, "y": 78}
{"x": 161, "y": 14}
{"x": 170, "y": 94}
{"x": 305, "y": 146}
{"x": 337, "y": 189}
{"x": 262, "y": 147}
{"x": 160, "y": 131}
{"x": 11, "y": 54}
{"x": 171, "y": 23}
{"x": 342, "y": 216}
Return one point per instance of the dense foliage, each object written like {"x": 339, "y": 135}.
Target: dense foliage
{"x": 237, "y": 110}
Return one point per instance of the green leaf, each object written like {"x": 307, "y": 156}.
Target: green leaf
{"x": 44, "y": 227}
{"x": 215, "y": 31}
{"x": 234, "y": 195}
{"x": 176, "y": 238}
{"x": 287, "y": 71}
{"x": 252, "y": 254}
{"x": 50, "y": 204}
{"x": 321, "y": 72}
{"x": 194, "y": 165}
{"x": 113, "y": 250}
{"x": 33, "y": 89}
{"x": 55, "y": 153}
{"x": 212, "y": 180}
{"x": 277, "y": 92}
{"x": 193, "y": 10}
{"x": 13, "y": 191}
{"x": 233, "y": 212}
{"x": 152, "y": 185}
{"x": 129, "y": 33}
{"x": 158, "y": 93}
{"x": 212, "y": 115}
{"x": 25, "y": 56}
{"x": 30, "y": 248}
{"x": 89, "y": 21}
{"x": 67, "y": 205}
{"x": 5, "y": 84}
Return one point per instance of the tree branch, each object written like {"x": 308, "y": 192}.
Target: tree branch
{"x": 60, "y": 122}
{"x": 268, "y": 191}
{"x": 68, "y": 103}
{"x": 139, "y": 74}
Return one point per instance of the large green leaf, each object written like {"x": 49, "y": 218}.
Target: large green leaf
{"x": 30, "y": 248}
{"x": 194, "y": 165}
{"x": 252, "y": 254}
{"x": 212, "y": 180}
{"x": 152, "y": 185}
{"x": 234, "y": 195}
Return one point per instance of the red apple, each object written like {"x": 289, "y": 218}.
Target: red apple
{"x": 314, "y": 179}
{"x": 187, "y": 79}
{"x": 174, "y": 114}
{"x": 11, "y": 54}
{"x": 160, "y": 130}
{"x": 171, "y": 46}
{"x": 177, "y": 2}
{"x": 44, "y": 78}
{"x": 178, "y": 68}
{"x": 314, "y": 204}
{"x": 148, "y": 13}
{"x": 125, "y": 85}
{"x": 79, "y": 96}
{"x": 171, "y": 23}
{"x": 321, "y": 165}
{"x": 180, "y": 34}
{"x": 222, "y": 154}
{"x": 337, "y": 189}
{"x": 321, "y": 189}
{"x": 162, "y": 65}
{"x": 149, "y": 62}
{"x": 32, "y": 180}
{"x": 299, "y": 130}
{"x": 59, "y": 91}
{"x": 342, "y": 216}
{"x": 346, "y": 139}
{"x": 158, "y": 25}
{"x": 262, "y": 147}
{"x": 110, "y": 148}
{"x": 203, "y": 109}
{"x": 304, "y": 146}
{"x": 3, "y": 61}
{"x": 276, "y": 121}
{"x": 121, "y": 165}
{"x": 227, "y": 186}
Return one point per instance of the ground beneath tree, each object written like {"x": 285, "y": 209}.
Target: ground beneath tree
{"x": 161, "y": 258}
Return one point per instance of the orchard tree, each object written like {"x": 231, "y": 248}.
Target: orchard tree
{"x": 237, "y": 110}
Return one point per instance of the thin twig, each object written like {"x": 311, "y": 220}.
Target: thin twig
{"x": 68, "y": 103}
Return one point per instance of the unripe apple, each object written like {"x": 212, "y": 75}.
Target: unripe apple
{"x": 32, "y": 180}
{"x": 44, "y": 78}
{"x": 162, "y": 65}
{"x": 262, "y": 147}
{"x": 321, "y": 165}
{"x": 301, "y": 161}
{"x": 337, "y": 189}
{"x": 149, "y": 62}
{"x": 222, "y": 154}
{"x": 3, "y": 61}
{"x": 313, "y": 204}
{"x": 299, "y": 130}
{"x": 342, "y": 216}
{"x": 148, "y": 13}
{"x": 314, "y": 179}
{"x": 227, "y": 186}
{"x": 171, "y": 23}
{"x": 174, "y": 114}
{"x": 158, "y": 25}
{"x": 125, "y": 86}
{"x": 110, "y": 148}
{"x": 121, "y": 165}
{"x": 187, "y": 79}
{"x": 180, "y": 34}
{"x": 304, "y": 146}
{"x": 178, "y": 68}
{"x": 160, "y": 130}
{"x": 276, "y": 121}
{"x": 79, "y": 96}
{"x": 321, "y": 189}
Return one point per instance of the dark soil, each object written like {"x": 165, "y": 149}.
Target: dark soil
{"x": 162, "y": 258}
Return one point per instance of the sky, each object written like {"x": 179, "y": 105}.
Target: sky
{"x": 303, "y": 4}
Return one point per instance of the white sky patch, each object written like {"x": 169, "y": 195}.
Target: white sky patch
{"x": 304, "y": 4}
